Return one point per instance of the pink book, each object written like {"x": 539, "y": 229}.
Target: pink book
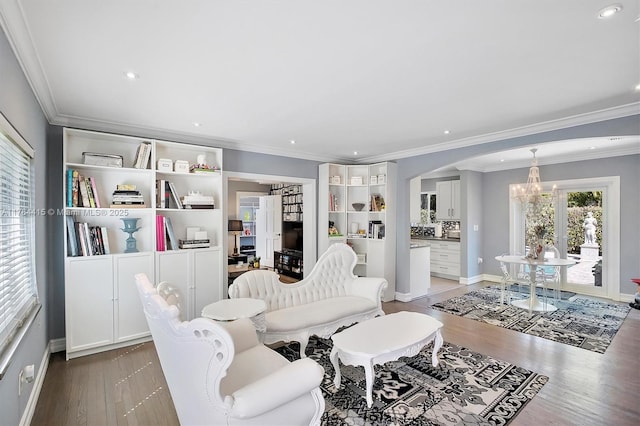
{"x": 95, "y": 192}
{"x": 160, "y": 246}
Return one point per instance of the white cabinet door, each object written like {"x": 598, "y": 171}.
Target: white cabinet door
{"x": 455, "y": 200}
{"x": 174, "y": 268}
{"x": 269, "y": 228}
{"x": 206, "y": 273}
{"x": 130, "y": 320}
{"x": 448, "y": 200}
{"x": 89, "y": 303}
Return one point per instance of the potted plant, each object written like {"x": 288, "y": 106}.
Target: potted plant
{"x": 256, "y": 262}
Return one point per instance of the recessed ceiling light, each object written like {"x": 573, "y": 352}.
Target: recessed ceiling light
{"x": 609, "y": 11}
{"x": 131, "y": 75}
{"x": 292, "y": 142}
{"x": 196, "y": 124}
{"x": 502, "y": 160}
{"x": 592, "y": 147}
{"x": 638, "y": 87}
{"x": 446, "y": 132}
{"x": 355, "y": 152}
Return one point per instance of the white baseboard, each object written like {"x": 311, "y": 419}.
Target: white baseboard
{"x": 30, "y": 409}
{"x": 479, "y": 278}
{"x": 58, "y": 345}
{"x": 403, "y": 297}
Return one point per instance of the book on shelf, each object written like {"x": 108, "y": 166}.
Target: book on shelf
{"x": 84, "y": 195}
{"x": 173, "y": 242}
{"x": 105, "y": 240}
{"x": 128, "y": 206}
{"x": 160, "y": 239}
{"x": 174, "y": 195}
{"x": 143, "y": 155}
{"x": 72, "y": 239}
{"x": 92, "y": 199}
{"x": 162, "y": 194}
{"x": 188, "y": 244}
{"x": 94, "y": 191}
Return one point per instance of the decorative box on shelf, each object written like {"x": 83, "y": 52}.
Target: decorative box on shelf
{"x": 373, "y": 180}
{"x": 334, "y": 180}
{"x": 382, "y": 179}
{"x": 165, "y": 165}
{"x": 356, "y": 180}
{"x": 181, "y": 166}
{"x": 97, "y": 159}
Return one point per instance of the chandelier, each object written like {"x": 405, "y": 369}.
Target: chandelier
{"x": 531, "y": 193}
{"x": 533, "y": 199}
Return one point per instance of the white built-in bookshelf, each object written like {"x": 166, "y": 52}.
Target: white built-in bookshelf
{"x": 370, "y": 231}
{"x": 103, "y": 310}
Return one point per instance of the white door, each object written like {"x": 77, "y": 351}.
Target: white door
{"x": 268, "y": 228}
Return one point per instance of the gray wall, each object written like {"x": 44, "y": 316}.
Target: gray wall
{"x": 22, "y": 110}
{"x": 471, "y": 202}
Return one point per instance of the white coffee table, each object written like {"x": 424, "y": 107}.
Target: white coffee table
{"x": 233, "y": 309}
{"x": 382, "y": 339}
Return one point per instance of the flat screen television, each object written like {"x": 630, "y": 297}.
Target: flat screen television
{"x": 292, "y": 236}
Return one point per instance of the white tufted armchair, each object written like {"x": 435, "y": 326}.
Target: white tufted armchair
{"x": 330, "y": 297}
{"x": 219, "y": 374}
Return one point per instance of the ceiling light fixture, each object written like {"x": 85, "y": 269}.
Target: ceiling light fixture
{"x": 131, "y": 75}
{"x": 355, "y": 152}
{"x": 609, "y": 11}
{"x": 292, "y": 142}
{"x": 592, "y": 147}
{"x": 196, "y": 124}
{"x": 531, "y": 193}
{"x": 446, "y": 132}
{"x": 638, "y": 87}
{"x": 533, "y": 200}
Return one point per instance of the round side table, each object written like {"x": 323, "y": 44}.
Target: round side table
{"x": 233, "y": 309}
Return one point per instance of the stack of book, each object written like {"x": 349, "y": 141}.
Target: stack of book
{"x": 191, "y": 244}
{"x": 127, "y": 196}
{"x": 196, "y": 200}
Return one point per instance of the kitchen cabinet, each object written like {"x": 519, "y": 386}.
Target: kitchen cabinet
{"x": 448, "y": 196}
{"x": 445, "y": 259}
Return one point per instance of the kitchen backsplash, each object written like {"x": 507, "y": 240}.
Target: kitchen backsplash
{"x": 428, "y": 230}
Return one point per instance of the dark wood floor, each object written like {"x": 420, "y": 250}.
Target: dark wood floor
{"x": 126, "y": 386}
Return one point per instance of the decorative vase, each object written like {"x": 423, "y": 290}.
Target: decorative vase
{"x": 540, "y": 249}
{"x": 130, "y": 226}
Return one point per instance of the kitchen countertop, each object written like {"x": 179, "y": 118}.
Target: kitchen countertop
{"x": 455, "y": 240}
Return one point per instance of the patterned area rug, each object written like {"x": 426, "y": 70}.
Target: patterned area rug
{"x": 579, "y": 321}
{"x": 465, "y": 388}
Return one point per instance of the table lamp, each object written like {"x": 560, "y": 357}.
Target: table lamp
{"x": 235, "y": 227}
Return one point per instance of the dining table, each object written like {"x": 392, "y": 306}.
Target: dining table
{"x": 533, "y": 303}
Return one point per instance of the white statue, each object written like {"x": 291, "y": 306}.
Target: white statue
{"x": 589, "y": 227}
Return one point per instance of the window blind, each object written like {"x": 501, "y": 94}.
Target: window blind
{"x": 18, "y": 291}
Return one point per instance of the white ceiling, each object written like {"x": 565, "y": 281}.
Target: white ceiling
{"x": 383, "y": 78}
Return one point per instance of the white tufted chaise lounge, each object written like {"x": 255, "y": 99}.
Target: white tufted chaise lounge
{"x": 330, "y": 297}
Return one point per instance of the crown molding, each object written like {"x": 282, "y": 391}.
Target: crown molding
{"x": 547, "y": 126}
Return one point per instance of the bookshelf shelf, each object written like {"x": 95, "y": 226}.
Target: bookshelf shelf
{"x": 156, "y": 256}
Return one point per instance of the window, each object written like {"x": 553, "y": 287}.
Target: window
{"x": 18, "y": 292}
